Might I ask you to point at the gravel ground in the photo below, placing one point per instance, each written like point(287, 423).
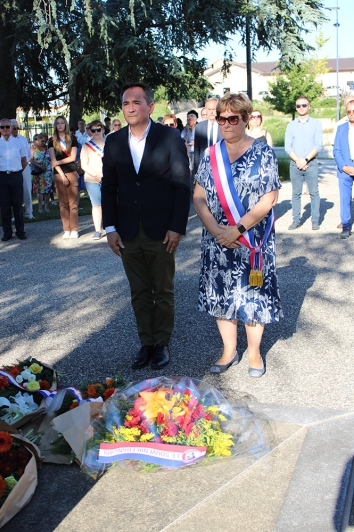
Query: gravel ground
point(67, 303)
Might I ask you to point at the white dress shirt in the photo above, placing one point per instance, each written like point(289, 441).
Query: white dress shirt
point(11, 153)
point(351, 141)
point(137, 147)
point(82, 137)
point(213, 125)
point(25, 143)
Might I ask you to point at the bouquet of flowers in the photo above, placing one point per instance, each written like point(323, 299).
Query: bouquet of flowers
point(31, 375)
point(105, 390)
point(166, 422)
point(16, 407)
point(18, 473)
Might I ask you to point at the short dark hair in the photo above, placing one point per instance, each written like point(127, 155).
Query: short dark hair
point(108, 118)
point(193, 112)
point(303, 98)
point(148, 92)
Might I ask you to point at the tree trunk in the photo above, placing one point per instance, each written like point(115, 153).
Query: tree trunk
point(249, 59)
point(8, 88)
point(77, 90)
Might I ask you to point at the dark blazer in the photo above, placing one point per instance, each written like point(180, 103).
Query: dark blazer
point(201, 141)
point(341, 149)
point(159, 194)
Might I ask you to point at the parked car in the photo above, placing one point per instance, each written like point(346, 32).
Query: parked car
point(331, 92)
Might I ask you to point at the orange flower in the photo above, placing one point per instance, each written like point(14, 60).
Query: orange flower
point(2, 487)
point(108, 393)
point(109, 381)
point(91, 391)
point(44, 385)
point(5, 441)
point(4, 382)
point(15, 370)
point(74, 404)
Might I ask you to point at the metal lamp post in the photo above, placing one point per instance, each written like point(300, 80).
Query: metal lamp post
point(336, 25)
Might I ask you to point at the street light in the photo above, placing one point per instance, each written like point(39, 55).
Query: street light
point(336, 25)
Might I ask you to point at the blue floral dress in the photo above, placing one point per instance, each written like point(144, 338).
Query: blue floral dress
point(224, 277)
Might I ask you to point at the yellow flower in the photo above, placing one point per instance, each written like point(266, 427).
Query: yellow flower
point(32, 386)
point(156, 402)
point(147, 437)
point(222, 418)
point(35, 368)
point(213, 409)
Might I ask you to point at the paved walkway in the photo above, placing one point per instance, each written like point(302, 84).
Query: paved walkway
point(67, 303)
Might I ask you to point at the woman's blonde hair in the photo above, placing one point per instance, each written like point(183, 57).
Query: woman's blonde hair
point(56, 138)
point(237, 103)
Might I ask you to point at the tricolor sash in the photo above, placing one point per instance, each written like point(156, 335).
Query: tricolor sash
point(94, 147)
point(63, 147)
point(234, 210)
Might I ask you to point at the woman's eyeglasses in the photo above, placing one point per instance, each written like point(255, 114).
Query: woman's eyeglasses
point(232, 120)
point(94, 129)
point(170, 124)
point(5, 127)
point(298, 105)
point(256, 116)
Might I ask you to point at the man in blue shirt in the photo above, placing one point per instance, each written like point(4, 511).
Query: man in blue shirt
point(303, 142)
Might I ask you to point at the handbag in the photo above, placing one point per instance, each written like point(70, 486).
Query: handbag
point(36, 171)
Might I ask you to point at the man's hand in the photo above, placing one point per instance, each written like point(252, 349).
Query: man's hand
point(301, 164)
point(349, 170)
point(115, 242)
point(172, 240)
point(228, 236)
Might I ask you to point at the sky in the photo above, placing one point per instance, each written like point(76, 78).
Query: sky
point(345, 19)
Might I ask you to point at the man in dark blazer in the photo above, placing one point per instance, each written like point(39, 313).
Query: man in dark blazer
point(145, 207)
point(344, 155)
point(207, 132)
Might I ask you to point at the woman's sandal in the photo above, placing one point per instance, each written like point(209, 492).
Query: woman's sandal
point(221, 368)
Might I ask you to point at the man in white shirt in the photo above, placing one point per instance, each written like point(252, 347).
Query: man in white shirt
point(13, 160)
point(81, 134)
point(27, 176)
point(206, 133)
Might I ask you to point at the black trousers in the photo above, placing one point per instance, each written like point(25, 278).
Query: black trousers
point(11, 195)
point(150, 271)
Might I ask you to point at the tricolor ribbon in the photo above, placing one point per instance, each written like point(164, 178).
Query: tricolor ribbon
point(234, 210)
point(63, 147)
point(99, 151)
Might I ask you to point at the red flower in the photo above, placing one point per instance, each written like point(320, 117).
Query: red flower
point(209, 417)
point(139, 402)
point(189, 428)
point(171, 429)
point(108, 393)
point(187, 392)
point(5, 442)
point(132, 422)
point(160, 418)
point(73, 405)
point(44, 385)
point(91, 391)
point(4, 382)
point(15, 370)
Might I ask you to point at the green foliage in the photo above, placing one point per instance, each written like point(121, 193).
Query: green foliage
point(284, 169)
point(276, 127)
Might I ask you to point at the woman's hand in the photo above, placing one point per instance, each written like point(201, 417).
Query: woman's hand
point(66, 181)
point(228, 236)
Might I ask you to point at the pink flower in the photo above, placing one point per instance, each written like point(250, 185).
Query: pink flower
point(189, 428)
point(192, 403)
point(160, 418)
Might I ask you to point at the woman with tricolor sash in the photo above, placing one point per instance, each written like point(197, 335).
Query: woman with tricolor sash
point(91, 163)
point(63, 150)
point(237, 187)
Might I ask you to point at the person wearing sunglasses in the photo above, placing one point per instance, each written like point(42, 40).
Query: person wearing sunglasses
point(170, 120)
point(116, 125)
point(256, 130)
point(13, 160)
point(91, 163)
point(237, 187)
point(63, 151)
point(344, 156)
point(303, 142)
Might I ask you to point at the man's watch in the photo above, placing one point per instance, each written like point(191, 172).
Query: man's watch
point(307, 161)
point(241, 228)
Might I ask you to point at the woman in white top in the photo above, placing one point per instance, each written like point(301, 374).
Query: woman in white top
point(256, 130)
point(91, 163)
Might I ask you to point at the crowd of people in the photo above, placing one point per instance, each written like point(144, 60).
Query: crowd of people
point(140, 180)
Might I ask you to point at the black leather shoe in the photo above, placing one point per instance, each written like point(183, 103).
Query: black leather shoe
point(142, 359)
point(21, 236)
point(5, 238)
point(345, 233)
point(161, 356)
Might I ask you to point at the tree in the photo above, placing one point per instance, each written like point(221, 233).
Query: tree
point(299, 80)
